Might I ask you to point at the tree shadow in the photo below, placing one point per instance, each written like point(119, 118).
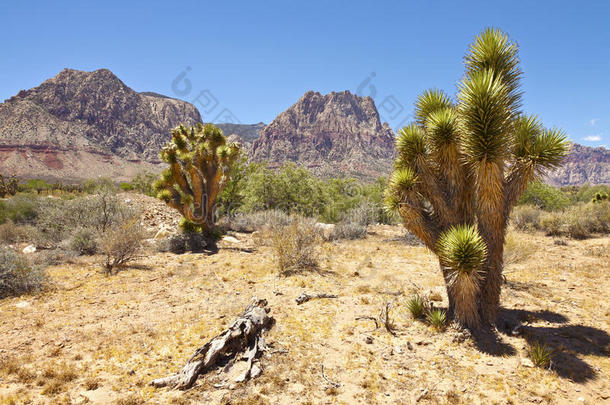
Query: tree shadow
point(567, 341)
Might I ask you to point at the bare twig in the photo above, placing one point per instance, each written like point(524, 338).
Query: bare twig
point(331, 383)
point(384, 317)
point(370, 318)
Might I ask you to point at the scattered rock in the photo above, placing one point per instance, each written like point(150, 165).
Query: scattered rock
point(22, 304)
point(29, 249)
point(231, 239)
point(368, 340)
point(525, 362)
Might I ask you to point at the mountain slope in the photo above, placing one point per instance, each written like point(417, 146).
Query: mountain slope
point(332, 134)
point(584, 164)
point(84, 124)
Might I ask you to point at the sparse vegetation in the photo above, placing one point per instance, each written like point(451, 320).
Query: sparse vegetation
point(84, 242)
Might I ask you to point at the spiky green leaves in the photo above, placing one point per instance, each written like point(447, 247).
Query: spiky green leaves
point(411, 145)
point(486, 111)
point(541, 148)
point(462, 249)
point(430, 101)
point(493, 51)
point(402, 182)
point(442, 128)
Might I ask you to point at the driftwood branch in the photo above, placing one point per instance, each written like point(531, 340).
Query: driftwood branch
point(243, 339)
point(306, 297)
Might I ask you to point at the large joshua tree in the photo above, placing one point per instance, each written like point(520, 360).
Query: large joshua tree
point(200, 159)
point(462, 165)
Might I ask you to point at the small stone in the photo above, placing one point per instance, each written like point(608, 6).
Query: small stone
point(231, 239)
point(368, 340)
point(232, 386)
point(22, 304)
point(29, 249)
point(256, 371)
point(409, 346)
point(397, 350)
point(581, 399)
point(525, 362)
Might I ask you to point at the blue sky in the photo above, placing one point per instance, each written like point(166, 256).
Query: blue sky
point(249, 61)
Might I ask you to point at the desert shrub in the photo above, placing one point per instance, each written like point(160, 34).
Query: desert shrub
point(126, 186)
point(58, 219)
point(12, 233)
point(143, 183)
point(544, 196)
point(295, 246)
point(84, 241)
point(21, 209)
point(121, 244)
point(17, 275)
point(348, 230)
point(579, 221)
point(255, 221)
point(517, 248)
point(526, 217)
point(96, 186)
point(552, 223)
point(587, 192)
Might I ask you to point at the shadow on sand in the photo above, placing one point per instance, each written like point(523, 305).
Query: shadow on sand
point(567, 341)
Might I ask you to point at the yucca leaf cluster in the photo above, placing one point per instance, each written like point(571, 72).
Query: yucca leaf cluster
point(200, 160)
point(461, 167)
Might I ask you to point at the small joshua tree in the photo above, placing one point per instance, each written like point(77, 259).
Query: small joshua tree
point(199, 160)
point(8, 186)
point(461, 168)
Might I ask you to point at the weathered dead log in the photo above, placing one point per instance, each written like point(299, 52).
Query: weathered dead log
point(242, 339)
point(306, 297)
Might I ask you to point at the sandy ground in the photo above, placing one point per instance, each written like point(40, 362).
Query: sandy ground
point(101, 339)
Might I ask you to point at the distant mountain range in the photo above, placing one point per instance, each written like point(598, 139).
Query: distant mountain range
point(80, 125)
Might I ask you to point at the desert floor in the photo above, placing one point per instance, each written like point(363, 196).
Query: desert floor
point(101, 339)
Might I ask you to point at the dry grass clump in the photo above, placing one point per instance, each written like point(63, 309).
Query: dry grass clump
point(349, 231)
point(121, 244)
point(12, 233)
point(579, 221)
point(18, 275)
point(295, 246)
point(517, 248)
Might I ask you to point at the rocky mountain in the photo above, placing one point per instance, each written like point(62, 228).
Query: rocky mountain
point(584, 164)
point(332, 134)
point(246, 132)
point(84, 124)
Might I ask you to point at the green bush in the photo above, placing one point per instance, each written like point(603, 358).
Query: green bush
point(126, 186)
point(544, 196)
point(579, 221)
point(17, 275)
point(143, 183)
point(552, 223)
point(21, 209)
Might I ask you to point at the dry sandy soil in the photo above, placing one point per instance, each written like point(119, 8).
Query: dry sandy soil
point(101, 339)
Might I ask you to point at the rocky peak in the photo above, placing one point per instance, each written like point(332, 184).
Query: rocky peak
point(331, 134)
